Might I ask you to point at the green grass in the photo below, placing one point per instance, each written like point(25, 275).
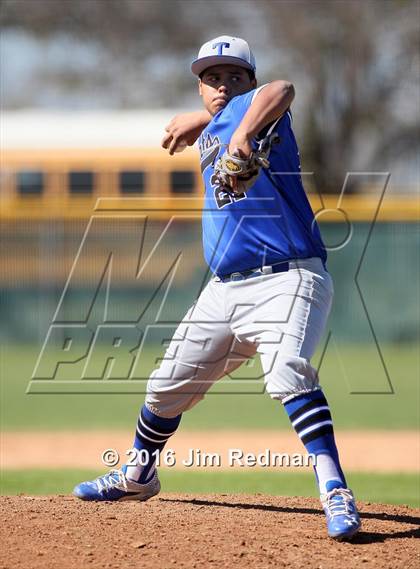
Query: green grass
point(345, 369)
point(384, 488)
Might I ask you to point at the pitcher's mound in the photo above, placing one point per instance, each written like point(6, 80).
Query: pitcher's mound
point(179, 530)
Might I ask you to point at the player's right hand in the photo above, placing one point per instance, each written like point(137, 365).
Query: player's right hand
point(183, 130)
point(173, 143)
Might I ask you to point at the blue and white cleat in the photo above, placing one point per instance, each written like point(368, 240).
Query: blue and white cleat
point(343, 520)
point(115, 487)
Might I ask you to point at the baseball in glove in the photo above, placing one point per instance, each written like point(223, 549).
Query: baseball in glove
point(236, 174)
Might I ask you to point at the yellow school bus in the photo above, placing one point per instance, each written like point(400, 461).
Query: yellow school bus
point(63, 165)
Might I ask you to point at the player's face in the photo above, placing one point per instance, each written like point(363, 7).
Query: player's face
point(219, 84)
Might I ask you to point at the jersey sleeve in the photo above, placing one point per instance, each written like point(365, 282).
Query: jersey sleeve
point(258, 90)
point(240, 104)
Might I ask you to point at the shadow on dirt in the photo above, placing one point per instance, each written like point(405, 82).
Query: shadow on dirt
point(362, 538)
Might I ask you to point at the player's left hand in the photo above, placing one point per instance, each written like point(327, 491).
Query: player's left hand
point(238, 168)
point(240, 145)
point(236, 174)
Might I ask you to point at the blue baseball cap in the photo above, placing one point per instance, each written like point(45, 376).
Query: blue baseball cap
point(224, 50)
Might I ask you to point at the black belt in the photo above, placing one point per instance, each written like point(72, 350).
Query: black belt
point(282, 267)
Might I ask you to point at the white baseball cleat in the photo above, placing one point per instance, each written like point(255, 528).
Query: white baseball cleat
point(115, 487)
point(343, 520)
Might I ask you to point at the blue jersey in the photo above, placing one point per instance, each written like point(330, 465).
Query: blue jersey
point(273, 221)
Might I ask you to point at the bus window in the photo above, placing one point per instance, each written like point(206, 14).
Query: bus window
point(182, 182)
point(131, 182)
point(81, 182)
point(30, 182)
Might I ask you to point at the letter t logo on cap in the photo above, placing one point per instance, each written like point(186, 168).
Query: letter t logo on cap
point(220, 45)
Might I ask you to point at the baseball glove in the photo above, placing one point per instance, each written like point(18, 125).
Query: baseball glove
point(235, 174)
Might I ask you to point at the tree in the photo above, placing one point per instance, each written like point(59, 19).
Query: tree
point(355, 64)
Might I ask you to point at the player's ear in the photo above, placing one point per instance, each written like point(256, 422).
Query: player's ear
point(199, 86)
point(254, 83)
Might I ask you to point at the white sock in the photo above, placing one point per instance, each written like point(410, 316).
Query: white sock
point(133, 472)
point(326, 471)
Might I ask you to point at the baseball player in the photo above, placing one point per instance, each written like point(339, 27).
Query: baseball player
point(270, 292)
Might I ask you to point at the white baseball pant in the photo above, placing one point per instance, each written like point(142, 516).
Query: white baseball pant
point(280, 316)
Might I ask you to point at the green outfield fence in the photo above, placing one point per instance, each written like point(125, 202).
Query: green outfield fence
point(375, 271)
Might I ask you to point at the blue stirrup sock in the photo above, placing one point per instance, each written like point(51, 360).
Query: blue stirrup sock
point(310, 416)
point(152, 434)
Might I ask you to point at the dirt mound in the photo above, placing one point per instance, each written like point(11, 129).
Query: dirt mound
point(175, 530)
